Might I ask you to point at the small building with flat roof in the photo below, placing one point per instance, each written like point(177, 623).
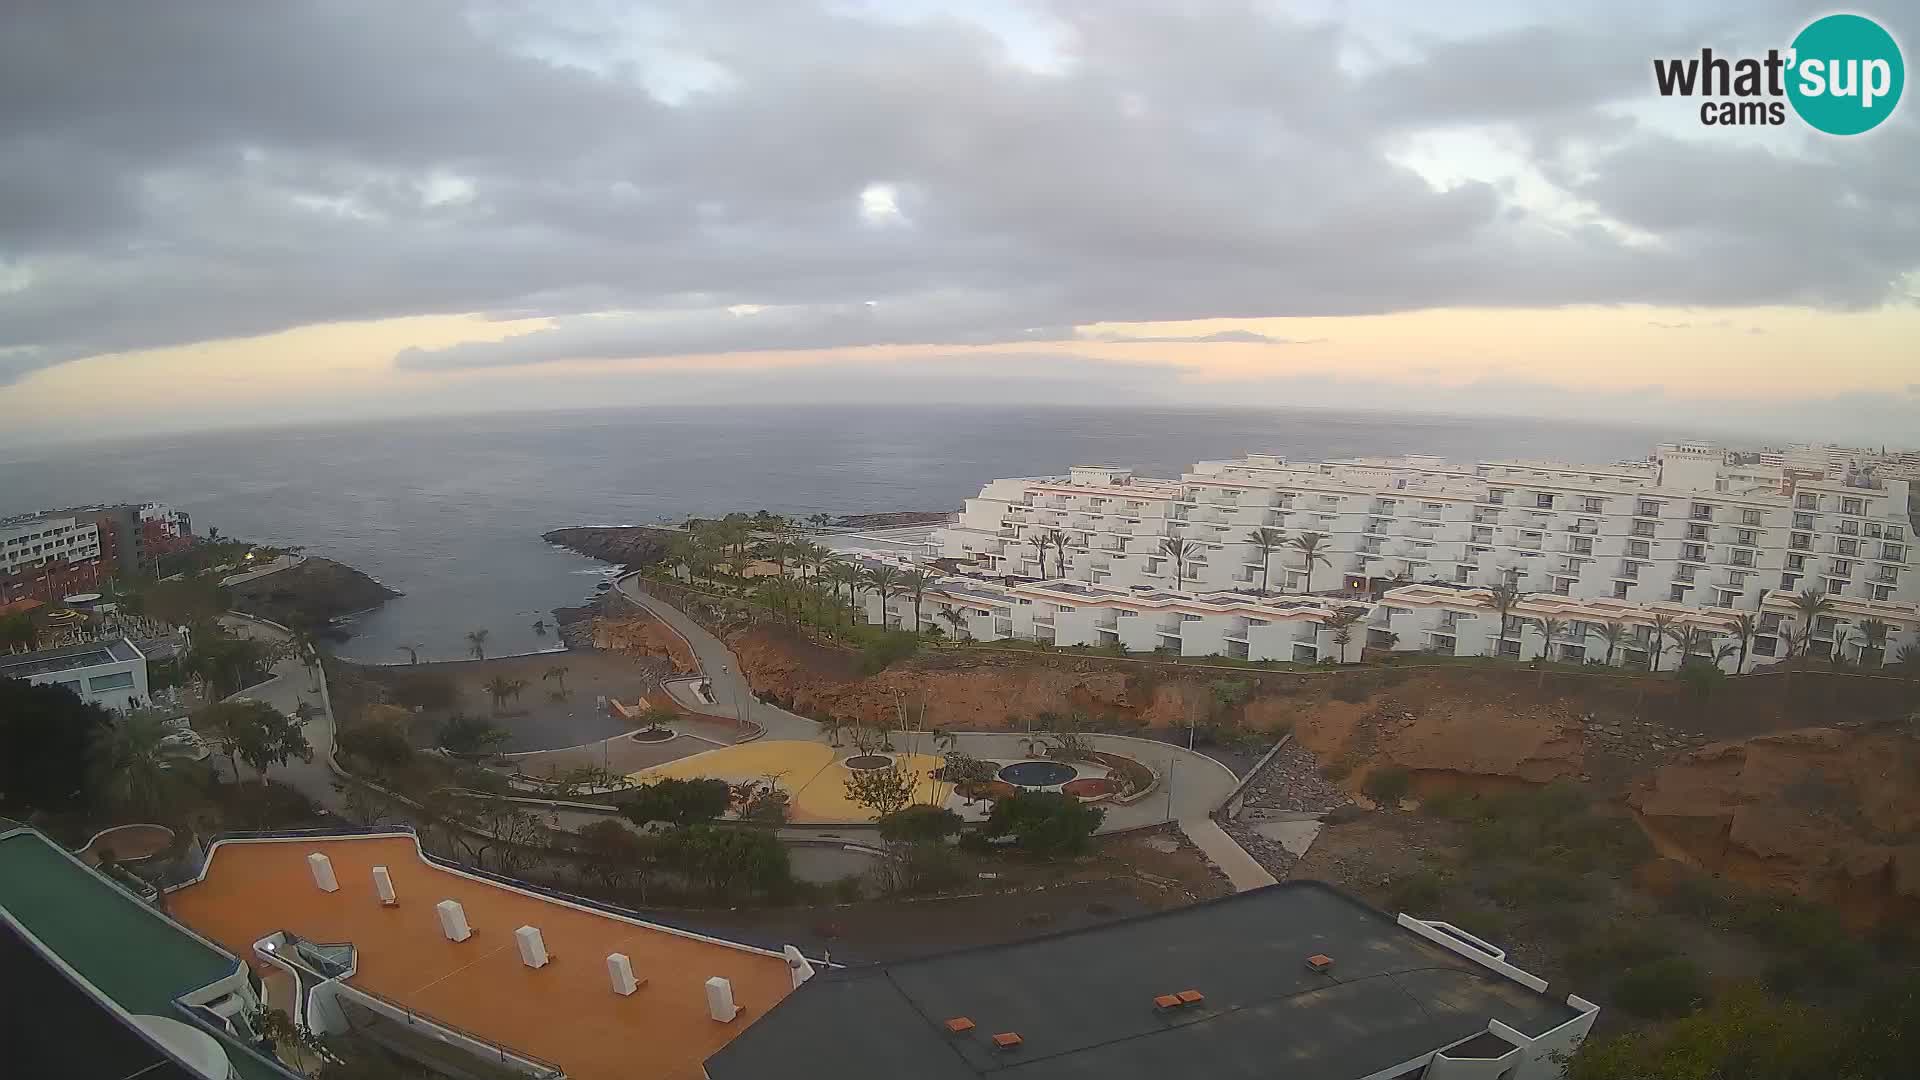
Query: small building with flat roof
point(1293, 980)
point(394, 961)
point(102, 984)
point(103, 673)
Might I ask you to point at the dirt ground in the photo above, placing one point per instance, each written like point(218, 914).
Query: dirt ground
point(537, 720)
point(1126, 875)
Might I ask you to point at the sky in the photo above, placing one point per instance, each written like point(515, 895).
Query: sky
point(228, 214)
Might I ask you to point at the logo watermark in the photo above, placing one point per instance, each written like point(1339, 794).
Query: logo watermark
point(1842, 75)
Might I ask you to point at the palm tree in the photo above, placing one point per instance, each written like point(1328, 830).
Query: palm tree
point(1549, 628)
point(1809, 606)
point(1179, 551)
point(1663, 625)
point(477, 644)
point(1342, 623)
point(412, 651)
point(1873, 641)
point(1308, 544)
point(1059, 541)
point(1907, 659)
point(883, 580)
point(540, 627)
point(558, 673)
point(1268, 540)
point(915, 582)
point(499, 688)
point(957, 621)
point(514, 686)
point(1505, 597)
point(1613, 632)
point(1039, 541)
point(1745, 626)
point(1689, 641)
point(848, 575)
point(129, 761)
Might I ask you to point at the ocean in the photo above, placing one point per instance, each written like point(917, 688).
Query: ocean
point(450, 510)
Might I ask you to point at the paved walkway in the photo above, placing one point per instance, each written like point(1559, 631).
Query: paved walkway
point(1221, 850)
point(291, 685)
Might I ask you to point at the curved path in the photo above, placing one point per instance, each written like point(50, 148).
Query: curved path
point(1192, 785)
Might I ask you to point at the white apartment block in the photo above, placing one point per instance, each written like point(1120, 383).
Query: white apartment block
point(1684, 535)
point(29, 542)
point(110, 674)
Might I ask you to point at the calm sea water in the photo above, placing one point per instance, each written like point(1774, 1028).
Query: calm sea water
point(450, 511)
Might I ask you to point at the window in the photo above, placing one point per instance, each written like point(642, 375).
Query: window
point(1702, 512)
point(1543, 500)
point(1851, 528)
point(1789, 581)
point(1683, 573)
point(1895, 532)
point(1883, 592)
point(1619, 590)
point(1727, 599)
point(1803, 521)
point(1593, 506)
point(1842, 568)
point(1749, 517)
point(1846, 547)
point(1647, 508)
point(1824, 625)
point(119, 680)
point(1693, 552)
point(1678, 594)
point(1800, 541)
point(1743, 558)
point(1853, 506)
point(1643, 528)
point(1696, 532)
point(1746, 537)
point(1807, 502)
point(1893, 552)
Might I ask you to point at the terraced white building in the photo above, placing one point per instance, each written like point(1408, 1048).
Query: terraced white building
point(1685, 536)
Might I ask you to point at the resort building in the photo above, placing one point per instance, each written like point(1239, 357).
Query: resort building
point(1295, 979)
point(103, 984)
point(110, 674)
point(47, 556)
point(1684, 536)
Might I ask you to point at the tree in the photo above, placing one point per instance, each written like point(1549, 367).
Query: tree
point(477, 644)
point(1308, 544)
point(847, 575)
point(1180, 551)
point(1268, 540)
point(270, 737)
point(129, 762)
point(469, 736)
point(729, 860)
point(231, 725)
point(915, 582)
point(1059, 539)
point(1039, 541)
point(46, 736)
point(965, 772)
point(1043, 822)
point(883, 791)
point(226, 662)
point(558, 673)
point(617, 853)
point(376, 744)
point(954, 618)
point(884, 580)
point(1745, 626)
point(1342, 623)
point(499, 688)
point(1663, 625)
point(677, 802)
point(1810, 606)
point(412, 651)
point(919, 824)
point(1549, 628)
point(1745, 1035)
point(1613, 632)
point(17, 632)
point(1505, 597)
point(1873, 641)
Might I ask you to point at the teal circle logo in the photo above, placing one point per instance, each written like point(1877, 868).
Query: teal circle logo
point(1846, 74)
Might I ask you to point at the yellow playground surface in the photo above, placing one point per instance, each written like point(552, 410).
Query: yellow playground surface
point(809, 772)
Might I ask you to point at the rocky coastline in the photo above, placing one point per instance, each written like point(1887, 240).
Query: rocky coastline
point(310, 595)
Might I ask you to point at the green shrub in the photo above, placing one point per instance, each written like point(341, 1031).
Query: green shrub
point(1043, 822)
point(1612, 948)
point(887, 649)
point(1662, 989)
point(919, 824)
point(1452, 805)
point(677, 802)
point(376, 744)
point(1388, 786)
point(1419, 892)
point(1537, 887)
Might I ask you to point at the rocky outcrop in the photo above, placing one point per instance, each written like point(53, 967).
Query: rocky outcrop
point(897, 519)
point(640, 634)
point(1828, 813)
point(631, 546)
point(309, 595)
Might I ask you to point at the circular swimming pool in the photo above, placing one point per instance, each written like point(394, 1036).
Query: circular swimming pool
point(867, 762)
point(1037, 773)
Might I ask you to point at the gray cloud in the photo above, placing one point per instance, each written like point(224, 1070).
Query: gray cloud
point(174, 173)
point(1247, 337)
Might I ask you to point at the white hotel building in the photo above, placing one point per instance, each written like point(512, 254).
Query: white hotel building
point(1685, 536)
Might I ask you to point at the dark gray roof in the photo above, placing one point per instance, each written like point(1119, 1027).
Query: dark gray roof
point(66, 658)
point(1082, 1001)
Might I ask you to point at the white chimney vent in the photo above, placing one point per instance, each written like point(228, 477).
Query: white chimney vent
point(383, 884)
point(453, 920)
point(620, 973)
point(720, 1004)
point(798, 966)
point(533, 949)
point(322, 869)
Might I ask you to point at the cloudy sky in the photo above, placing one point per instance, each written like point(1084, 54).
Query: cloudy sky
point(238, 213)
